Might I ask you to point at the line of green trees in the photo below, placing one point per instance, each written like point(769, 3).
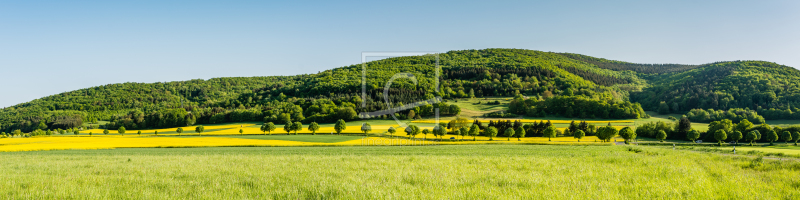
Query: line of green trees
point(576, 106)
point(719, 131)
point(734, 114)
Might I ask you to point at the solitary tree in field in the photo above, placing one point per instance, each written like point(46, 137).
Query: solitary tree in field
point(412, 130)
point(473, 131)
point(463, 132)
point(787, 136)
point(105, 132)
point(139, 133)
point(628, 134)
point(752, 136)
point(180, 130)
point(288, 127)
point(366, 128)
point(155, 133)
point(313, 127)
point(297, 126)
point(425, 133)
point(121, 130)
point(90, 134)
point(720, 135)
point(241, 131)
point(772, 136)
point(579, 134)
point(520, 133)
point(796, 137)
point(340, 126)
point(199, 129)
point(550, 132)
point(76, 132)
point(263, 128)
point(508, 133)
point(736, 136)
point(606, 133)
point(392, 131)
point(661, 136)
point(268, 127)
point(439, 130)
point(491, 132)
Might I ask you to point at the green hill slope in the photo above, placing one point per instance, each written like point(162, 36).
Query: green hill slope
point(771, 89)
point(561, 84)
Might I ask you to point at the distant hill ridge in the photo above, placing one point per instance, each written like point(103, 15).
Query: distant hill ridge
point(757, 85)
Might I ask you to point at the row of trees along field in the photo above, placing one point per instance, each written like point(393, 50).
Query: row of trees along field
point(576, 106)
point(734, 114)
point(719, 131)
point(537, 129)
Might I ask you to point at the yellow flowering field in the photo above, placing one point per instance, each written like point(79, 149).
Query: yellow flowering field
point(112, 142)
point(226, 136)
point(233, 130)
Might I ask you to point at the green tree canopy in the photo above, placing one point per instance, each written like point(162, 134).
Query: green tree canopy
point(313, 127)
point(662, 135)
point(720, 135)
point(509, 133)
point(736, 136)
point(491, 132)
point(550, 132)
point(579, 134)
point(340, 126)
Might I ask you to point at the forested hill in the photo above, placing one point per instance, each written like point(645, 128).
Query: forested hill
point(570, 85)
point(771, 89)
point(626, 66)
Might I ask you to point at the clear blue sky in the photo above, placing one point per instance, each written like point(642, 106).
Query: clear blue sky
point(48, 47)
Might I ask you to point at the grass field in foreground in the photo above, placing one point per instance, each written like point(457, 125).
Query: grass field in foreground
point(781, 148)
point(421, 172)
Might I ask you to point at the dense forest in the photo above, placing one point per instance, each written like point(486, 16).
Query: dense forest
point(557, 84)
point(771, 90)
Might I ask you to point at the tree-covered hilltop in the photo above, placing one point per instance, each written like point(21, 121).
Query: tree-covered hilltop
point(551, 84)
point(771, 89)
point(626, 66)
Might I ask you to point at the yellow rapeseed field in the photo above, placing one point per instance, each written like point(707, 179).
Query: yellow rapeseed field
point(111, 142)
point(211, 138)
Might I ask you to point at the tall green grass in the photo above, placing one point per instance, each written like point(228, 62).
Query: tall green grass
point(409, 172)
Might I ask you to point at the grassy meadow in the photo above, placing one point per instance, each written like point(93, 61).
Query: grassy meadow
point(379, 165)
point(386, 172)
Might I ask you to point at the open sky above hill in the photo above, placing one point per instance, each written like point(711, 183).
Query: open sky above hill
point(48, 47)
